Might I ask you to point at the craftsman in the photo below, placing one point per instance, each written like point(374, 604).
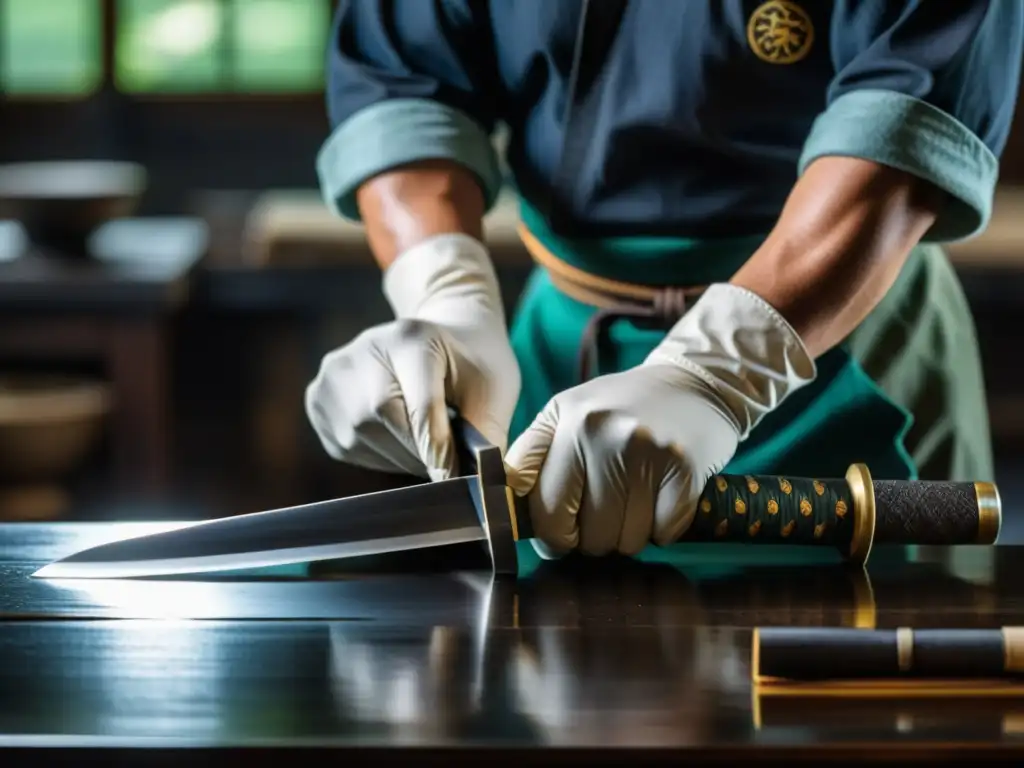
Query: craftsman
point(735, 208)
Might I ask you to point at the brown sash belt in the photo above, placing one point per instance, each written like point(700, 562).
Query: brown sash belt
point(644, 305)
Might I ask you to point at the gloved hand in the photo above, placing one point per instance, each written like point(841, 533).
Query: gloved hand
point(621, 460)
point(380, 401)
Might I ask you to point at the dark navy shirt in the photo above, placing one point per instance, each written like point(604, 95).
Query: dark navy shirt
point(701, 113)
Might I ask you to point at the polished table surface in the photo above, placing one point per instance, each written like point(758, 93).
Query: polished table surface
point(401, 652)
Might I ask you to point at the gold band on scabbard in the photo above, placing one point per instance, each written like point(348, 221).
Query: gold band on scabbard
point(990, 512)
point(1013, 649)
point(862, 491)
point(905, 649)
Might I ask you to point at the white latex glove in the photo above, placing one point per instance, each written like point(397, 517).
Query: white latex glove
point(621, 460)
point(380, 401)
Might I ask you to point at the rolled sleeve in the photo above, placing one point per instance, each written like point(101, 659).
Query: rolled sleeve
point(408, 80)
point(903, 132)
point(396, 132)
point(930, 91)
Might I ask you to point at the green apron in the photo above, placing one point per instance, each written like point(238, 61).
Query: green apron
point(903, 394)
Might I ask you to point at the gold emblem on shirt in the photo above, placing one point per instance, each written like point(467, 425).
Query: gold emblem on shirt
point(780, 32)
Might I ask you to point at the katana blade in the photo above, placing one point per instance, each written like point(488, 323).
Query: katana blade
point(427, 515)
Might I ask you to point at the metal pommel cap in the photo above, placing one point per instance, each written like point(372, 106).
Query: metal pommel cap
point(990, 512)
point(939, 513)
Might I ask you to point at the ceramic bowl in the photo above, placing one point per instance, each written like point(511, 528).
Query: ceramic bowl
point(60, 203)
point(48, 425)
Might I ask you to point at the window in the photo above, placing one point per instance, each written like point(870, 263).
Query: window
point(56, 47)
point(50, 47)
point(169, 45)
point(206, 94)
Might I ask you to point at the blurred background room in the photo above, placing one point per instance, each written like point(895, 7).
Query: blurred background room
point(170, 279)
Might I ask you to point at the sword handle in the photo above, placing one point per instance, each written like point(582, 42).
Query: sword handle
point(850, 514)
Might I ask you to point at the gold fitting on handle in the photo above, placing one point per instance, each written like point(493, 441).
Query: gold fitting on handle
point(513, 518)
point(862, 491)
point(990, 512)
point(905, 649)
point(1013, 649)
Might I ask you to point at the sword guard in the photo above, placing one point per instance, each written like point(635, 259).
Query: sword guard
point(506, 516)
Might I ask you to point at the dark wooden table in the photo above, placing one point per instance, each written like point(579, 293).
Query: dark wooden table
point(586, 657)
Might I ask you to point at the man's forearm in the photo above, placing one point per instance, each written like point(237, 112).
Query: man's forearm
point(843, 236)
point(404, 207)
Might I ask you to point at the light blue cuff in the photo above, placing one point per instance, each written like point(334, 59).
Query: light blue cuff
point(903, 132)
point(399, 131)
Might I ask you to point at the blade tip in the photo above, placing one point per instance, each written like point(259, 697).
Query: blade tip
point(51, 571)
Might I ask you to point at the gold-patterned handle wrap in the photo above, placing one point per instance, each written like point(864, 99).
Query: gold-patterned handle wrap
point(851, 513)
point(768, 509)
